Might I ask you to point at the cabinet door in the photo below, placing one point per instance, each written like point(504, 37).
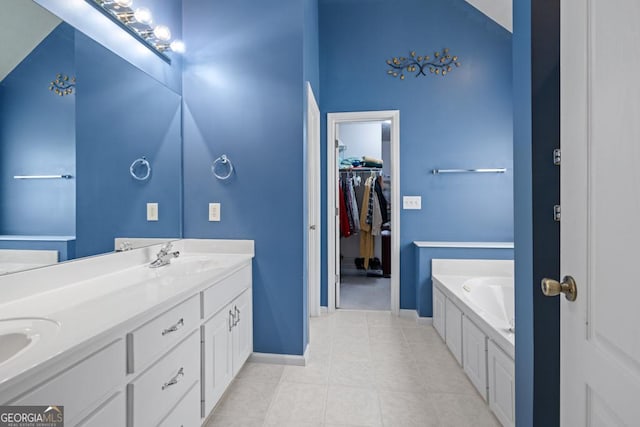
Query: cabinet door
point(474, 351)
point(502, 385)
point(243, 330)
point(453, 330)
point(438, 311)
point(217, 369)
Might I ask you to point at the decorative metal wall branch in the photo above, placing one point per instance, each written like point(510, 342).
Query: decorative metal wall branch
point(63, 85)
point(441, 64)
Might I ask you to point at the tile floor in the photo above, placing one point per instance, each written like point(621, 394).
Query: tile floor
point(359, 292)
point(366, 368)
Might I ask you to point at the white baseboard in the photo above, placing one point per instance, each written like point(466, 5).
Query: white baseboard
point(413, 315)
point(280, 359)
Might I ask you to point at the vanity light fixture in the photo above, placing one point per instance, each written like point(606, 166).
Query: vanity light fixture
point(139, 23)
point(441, 64)
point(62, 85)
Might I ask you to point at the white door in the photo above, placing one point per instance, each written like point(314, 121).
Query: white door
point(600, 198)
point(336, 184)
point(313, 203)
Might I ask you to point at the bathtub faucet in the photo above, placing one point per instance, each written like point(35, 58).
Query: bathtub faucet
point(164, 256)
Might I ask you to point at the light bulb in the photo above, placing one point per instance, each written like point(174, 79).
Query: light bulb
point(143, 15)
point(177, 46)
point(124, 3)
point(162, 32)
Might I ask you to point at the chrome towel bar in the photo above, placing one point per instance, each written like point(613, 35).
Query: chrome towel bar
point(439, 171)
point(66, 176)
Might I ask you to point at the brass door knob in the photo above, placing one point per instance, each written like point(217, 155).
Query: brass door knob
point(568, 287)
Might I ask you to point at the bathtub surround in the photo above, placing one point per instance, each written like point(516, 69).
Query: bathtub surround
point(473, 313)
point(426, 251)
point(469, 114)
point(65, 246)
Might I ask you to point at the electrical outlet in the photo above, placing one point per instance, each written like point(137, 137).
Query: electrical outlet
point(152, 211)
point(412, 202)
point(214, 211)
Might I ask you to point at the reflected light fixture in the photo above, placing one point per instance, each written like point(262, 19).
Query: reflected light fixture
point(138, 22)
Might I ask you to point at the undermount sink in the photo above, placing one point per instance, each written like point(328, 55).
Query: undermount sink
point(19, 334)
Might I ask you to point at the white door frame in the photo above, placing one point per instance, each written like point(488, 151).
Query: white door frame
point(313, 203)
point(333, 119)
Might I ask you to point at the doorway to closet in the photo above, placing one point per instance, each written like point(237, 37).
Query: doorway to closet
point(363, 175)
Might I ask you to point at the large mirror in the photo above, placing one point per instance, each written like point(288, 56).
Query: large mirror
point(74, 118)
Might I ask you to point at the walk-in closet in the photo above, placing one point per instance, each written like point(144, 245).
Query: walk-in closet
point(364, 188)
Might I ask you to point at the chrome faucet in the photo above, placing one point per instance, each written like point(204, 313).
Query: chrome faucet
point(164, 256)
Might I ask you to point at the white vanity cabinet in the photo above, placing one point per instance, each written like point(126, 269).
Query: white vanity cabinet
point(474, 352)
point(453, 329)
point(227, 337)
point(155, 352)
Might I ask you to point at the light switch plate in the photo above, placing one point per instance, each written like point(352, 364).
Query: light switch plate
point(412, 202)
point(214, 211)
point(152, 211)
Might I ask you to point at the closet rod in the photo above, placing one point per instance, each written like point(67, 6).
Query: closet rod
point(439, 171)
point(361, 170)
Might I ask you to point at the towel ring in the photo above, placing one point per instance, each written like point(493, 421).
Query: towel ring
point(222, 160)
point(140, 169)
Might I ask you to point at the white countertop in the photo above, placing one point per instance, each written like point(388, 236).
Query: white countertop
point(90, 298)
point(476, 245)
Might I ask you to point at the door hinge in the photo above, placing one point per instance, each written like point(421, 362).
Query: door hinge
point(557, 157)
point(556, 213)
point(337, 144)
point(337, 278)
point(337, 211)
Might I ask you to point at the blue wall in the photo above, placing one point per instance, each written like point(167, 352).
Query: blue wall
point(37, 137)
point(463, 120)
point(144, 119)
point(423, 257)
point(243, 96)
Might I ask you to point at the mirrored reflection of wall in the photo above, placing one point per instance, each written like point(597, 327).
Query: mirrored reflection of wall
point(116, 114)
point(123, 114)
point(37, 137)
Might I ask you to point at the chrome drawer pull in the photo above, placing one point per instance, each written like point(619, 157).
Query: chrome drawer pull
point(173, 328)
point(237, 315)
point(174, 380)
point(232, 320)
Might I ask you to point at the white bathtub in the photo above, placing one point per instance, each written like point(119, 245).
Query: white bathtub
point(483, 290)
point(492, 298)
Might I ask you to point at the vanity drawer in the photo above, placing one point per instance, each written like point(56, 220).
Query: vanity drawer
point(187, 413)
point(156, 336)
point(222, 293)
point(83, 385)
point(157, 390)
